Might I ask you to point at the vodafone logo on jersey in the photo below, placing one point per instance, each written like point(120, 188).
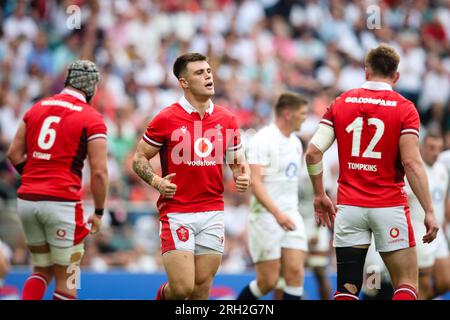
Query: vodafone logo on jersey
point(61, 233)
point(394, 233)
point(183, 234)
point(203, 147)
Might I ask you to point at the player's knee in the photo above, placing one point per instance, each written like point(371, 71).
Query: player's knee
point(350, 264)
point(181, 290)
point(267, 284)
point(293, 274)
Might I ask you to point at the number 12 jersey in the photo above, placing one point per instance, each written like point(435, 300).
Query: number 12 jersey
point(368, 123)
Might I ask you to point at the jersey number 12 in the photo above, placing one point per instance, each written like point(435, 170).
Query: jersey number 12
point(356, 126)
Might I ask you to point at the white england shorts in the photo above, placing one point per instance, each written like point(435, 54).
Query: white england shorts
point(391, 227)
point(60, 224)
point(267, 237)
point(197, 232)
point(427, 253)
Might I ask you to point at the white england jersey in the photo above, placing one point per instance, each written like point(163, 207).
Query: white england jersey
point(438, 180)
point(281, 157)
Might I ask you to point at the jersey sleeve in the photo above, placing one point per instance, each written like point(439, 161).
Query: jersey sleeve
point(328, 117)
point(97, 127)
point(410, 121)
point(258, 151)
point(234, 141)
point(156, 131)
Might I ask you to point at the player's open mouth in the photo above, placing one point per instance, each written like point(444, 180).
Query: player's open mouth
point(209, 85)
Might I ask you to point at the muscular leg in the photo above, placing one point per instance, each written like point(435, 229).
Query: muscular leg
point(180, 269)
point(206, 266)
point(403, 269)
point(441, 274)
point(293, 262)
point(267, 274)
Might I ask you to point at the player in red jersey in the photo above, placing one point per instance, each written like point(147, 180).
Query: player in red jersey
point(193, 137)
point(377, 133)
point(50, 146)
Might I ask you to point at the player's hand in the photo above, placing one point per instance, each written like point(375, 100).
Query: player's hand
point(431, 227)
point(242, 179)
point(324, 211)
point(166, 187)
point(285, 222)
point(96, 222)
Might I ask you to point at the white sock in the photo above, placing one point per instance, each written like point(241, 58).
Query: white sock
point(294, 291)
point(255, 290)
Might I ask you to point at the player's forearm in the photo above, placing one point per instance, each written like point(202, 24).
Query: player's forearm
point(417, 178)
point(143, 168)
point(260, 193)
point(99, 187)
point(314, 157)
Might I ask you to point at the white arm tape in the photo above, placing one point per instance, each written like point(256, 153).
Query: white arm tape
point(315, 169)
point(323, 138)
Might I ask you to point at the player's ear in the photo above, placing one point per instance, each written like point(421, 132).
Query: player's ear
point(397, 76)
point(366, 71)
point(184, 83)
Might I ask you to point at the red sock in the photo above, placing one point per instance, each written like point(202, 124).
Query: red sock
point(34, 288)
point(58, 295)
point(405, 292)
point(344, 296)
point(160, 293)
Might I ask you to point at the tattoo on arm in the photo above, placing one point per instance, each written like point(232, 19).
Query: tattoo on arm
point(143, 169)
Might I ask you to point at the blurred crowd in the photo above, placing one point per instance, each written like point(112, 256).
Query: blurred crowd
point(257, 49)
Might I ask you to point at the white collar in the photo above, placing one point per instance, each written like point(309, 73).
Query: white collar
point(189, 108)
point(377, 85)
point(74, 93)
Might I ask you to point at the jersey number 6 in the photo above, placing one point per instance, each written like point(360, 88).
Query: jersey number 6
point(47, 135)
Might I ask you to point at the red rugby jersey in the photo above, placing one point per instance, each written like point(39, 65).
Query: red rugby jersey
point(194, 149)
point(368, 123)
point(58, 130)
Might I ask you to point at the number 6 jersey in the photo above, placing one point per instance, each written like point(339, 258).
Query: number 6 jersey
point(58, 130)
point(368, 123)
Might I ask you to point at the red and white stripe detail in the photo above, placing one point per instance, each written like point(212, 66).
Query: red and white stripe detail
point(60, 296)
point(39, 277)
point(97, 136)
point(152, 142)
point(234, 148)
point(346, 295)
point(327, 122)
point(407, 289)
point(411, 239)
point(410, 131)
point(167, 241)
point(81, 230)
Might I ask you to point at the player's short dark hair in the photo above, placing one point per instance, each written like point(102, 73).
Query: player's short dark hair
point(289, 100)
point(382, 61)
point(180, 64)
